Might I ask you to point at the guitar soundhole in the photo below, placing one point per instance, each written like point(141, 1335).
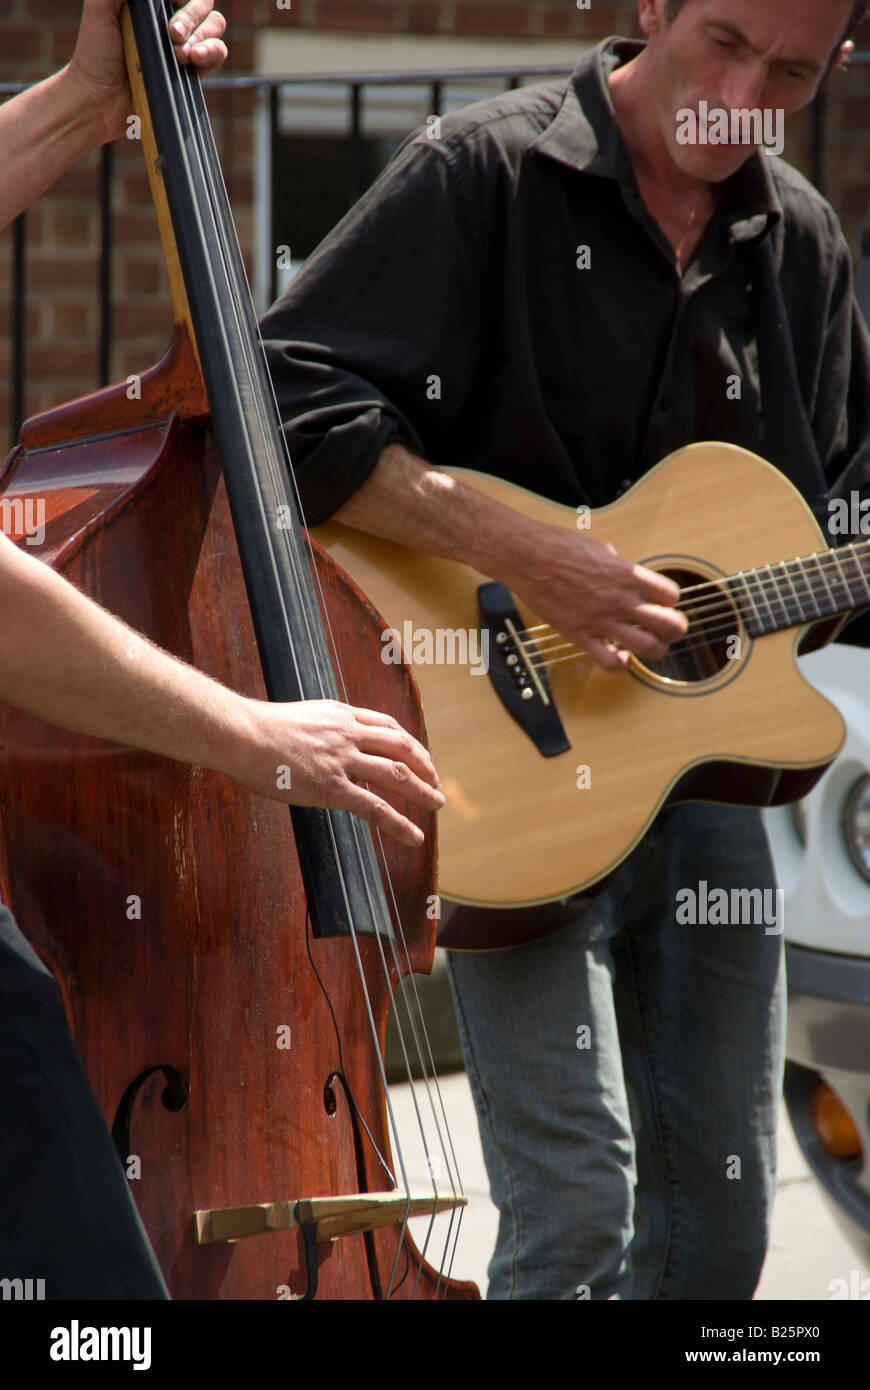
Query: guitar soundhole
point(713, 640)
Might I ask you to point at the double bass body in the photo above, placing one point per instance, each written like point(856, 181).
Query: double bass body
point(229, 1046)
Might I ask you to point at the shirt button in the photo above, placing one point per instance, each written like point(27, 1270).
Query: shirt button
point(666, 403)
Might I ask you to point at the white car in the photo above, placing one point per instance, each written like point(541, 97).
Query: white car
point(821, 849)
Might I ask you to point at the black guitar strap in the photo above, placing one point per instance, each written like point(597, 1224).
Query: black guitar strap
point(789, 443)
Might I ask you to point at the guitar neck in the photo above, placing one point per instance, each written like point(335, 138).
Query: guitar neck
point(800, 591)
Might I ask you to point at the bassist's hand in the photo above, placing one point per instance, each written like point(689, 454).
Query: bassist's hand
point(327, 751)
point(98, 67)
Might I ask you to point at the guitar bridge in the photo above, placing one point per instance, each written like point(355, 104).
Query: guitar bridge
point(517, 674)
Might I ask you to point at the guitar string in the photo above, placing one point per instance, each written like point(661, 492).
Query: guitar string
point(693, 640)
point(723, 604)
point(214, 200)
point(356, 828)
point(762, 585)
point(403, 972)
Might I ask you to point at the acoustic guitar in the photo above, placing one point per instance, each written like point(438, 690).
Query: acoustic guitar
point(553, 768)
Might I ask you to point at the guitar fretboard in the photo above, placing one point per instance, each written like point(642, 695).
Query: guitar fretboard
point(803, 590)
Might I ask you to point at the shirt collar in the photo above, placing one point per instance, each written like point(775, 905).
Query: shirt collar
point(584, 136)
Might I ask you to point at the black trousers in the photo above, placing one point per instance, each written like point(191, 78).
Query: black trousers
point(66, 1213)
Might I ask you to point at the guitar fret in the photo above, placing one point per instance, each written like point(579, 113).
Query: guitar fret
point(796, 614)
point(816, 559)
point(810, 592)
point(847, 601)
point(807, 613)
point(767, 624)
point(751, 618)
point(852, 555)
point(774, 591)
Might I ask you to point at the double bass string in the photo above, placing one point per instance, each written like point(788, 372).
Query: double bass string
point(260, 412)
point(218, 206)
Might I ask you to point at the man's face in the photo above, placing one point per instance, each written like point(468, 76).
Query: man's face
point(766, 55)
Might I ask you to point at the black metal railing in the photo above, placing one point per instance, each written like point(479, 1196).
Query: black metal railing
point(356, 85)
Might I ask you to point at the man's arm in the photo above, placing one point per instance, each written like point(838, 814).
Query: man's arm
point(415, 300)
point(596, 599)
point(48, 127)
point(67, 660)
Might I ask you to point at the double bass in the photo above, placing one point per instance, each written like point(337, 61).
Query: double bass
point(226, 966)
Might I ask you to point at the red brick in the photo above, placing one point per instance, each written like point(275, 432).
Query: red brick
point(239, 12)
point(81, 181)
point(479, 17)
point(72, 319)
point(60, 271)
point(556, 21)
point(424, 17)
point(136, 228)
point(143, 274)
point(299, 17)
point(134, 186)
point(21, 41)
point(136, 358)
point(133, 318)
point(241, 53)
point(53, 9)
point(240, 186)
point(62, 362)
point(356, 14)
point(75, 227)
point(63, 41)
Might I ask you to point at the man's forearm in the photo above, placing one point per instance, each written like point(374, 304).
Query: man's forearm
point(42, 132)
point(406, 500)
point(67, 660)
point(604, 604)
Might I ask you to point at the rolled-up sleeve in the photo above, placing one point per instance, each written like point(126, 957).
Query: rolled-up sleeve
point(377, 338)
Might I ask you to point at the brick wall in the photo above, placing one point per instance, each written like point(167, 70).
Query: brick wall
point(37, 36)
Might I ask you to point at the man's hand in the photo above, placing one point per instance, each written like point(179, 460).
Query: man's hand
point(600, 602)
point(68, 661)
point(330, 749)
point(597, 600)
point(98, 62)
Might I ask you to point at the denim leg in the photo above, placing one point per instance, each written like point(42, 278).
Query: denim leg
point(552, 1110)
point(701, 1011)
point(66, 1213)
point(684, 1061)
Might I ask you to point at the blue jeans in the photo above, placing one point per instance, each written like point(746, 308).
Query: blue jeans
point(634, 1160)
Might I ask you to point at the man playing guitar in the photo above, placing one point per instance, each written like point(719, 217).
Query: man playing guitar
point(557, 287)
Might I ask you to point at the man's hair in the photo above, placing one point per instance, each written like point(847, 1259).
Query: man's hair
point(859, 12)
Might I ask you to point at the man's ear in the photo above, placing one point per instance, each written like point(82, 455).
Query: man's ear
point(651, 15)
point(845, 53)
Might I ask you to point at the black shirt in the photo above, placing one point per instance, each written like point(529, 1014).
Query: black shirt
point(452, 309)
